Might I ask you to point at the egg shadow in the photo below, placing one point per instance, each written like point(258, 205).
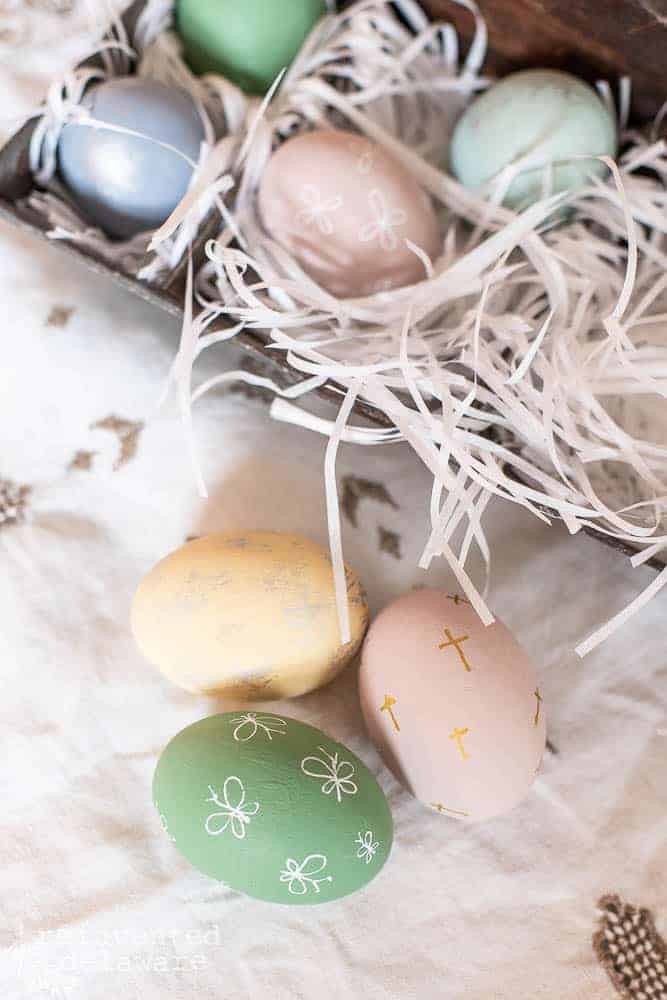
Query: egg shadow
point(335, 706)
point(280, 487)
point(266, 493)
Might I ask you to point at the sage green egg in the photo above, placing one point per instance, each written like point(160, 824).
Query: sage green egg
point(546, 112)
point(247, 41)
point(273, 807)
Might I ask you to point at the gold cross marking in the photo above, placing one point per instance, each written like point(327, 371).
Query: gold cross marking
point(457, 599)
point(539, 705)
point(456, 643)
point(389, 702)
point(438, 806)
point(458, 734)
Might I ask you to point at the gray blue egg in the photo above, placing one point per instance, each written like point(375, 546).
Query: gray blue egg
point(543, 112)
point(128, 184)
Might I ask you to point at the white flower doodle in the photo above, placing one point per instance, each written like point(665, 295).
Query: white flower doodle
point(237, 817)
point(365, 162)
point(300, 877)
point(254, 722)
point(367, 846)
point(165, 827)
point(317, 210)
point(385, 220)
point(338, 774)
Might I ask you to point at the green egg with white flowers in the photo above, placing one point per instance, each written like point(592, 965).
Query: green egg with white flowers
point(273, 807)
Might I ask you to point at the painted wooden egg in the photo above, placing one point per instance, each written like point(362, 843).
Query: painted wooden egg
point(453, 707)
point(251, 616)
point(249, 43)
point(344, 208)
point(273, 807)
point(547, 113)
point(127, 184)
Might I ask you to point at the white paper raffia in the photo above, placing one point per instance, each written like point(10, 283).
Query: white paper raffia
point(153, 21)
point(152, 52)
point(511, 369)
point(398, 73)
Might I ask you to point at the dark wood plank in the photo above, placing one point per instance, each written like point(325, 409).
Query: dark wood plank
point(592, 38)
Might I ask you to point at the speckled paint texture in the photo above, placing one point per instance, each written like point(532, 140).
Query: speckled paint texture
point(250, 615)
point(543, 113)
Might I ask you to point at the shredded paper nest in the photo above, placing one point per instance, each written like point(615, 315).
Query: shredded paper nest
point(529, 363)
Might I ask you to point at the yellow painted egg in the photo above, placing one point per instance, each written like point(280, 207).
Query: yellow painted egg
point(454, 707)
point(251, 616)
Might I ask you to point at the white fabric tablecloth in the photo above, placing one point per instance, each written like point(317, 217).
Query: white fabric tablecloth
point(95, 901)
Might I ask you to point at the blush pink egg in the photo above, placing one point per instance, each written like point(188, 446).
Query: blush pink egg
point(344, 209)
point(453, 706)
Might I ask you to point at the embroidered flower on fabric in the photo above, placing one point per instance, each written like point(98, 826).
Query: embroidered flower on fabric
point(367, 846)
point(630, 949)
point(317, 211)
point(385, 220)
point(13, 501)
point(248, 725)
point(233, 814)
point(300, 877)
point(337, 774)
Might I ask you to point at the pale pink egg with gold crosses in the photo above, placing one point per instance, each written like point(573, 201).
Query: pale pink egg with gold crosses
point(453, 706)
point(347, 212)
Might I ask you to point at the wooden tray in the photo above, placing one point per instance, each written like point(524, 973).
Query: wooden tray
point(592, 38)
point(595, 39)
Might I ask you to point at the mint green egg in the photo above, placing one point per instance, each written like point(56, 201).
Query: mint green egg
point(273, 807)
point(540, 111)
point(247, 41)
